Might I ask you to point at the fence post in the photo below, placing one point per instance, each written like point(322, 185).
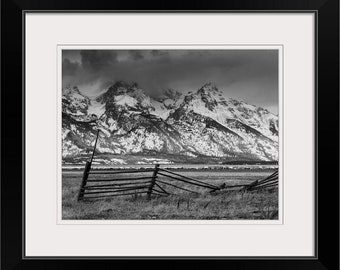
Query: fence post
point(153, 181)
point(95, 144)
point(83, 181)
point(86, 171)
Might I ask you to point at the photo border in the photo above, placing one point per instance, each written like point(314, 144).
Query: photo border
point(315, 12)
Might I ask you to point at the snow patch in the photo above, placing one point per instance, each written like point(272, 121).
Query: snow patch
point(125, 100)
point(96, 108)
point(154, 161)
point(117, 161)
point(159, 110)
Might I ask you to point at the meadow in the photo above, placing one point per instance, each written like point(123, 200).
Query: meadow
point(201, 204)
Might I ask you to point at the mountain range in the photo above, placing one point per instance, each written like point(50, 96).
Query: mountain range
point(199, 126)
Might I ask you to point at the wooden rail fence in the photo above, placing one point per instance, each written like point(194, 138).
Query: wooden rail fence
point(155, 182)
point(103, 186)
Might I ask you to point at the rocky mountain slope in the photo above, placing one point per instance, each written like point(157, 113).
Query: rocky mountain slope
point(199, 125)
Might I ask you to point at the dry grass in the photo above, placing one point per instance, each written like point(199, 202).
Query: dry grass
point(182, 206)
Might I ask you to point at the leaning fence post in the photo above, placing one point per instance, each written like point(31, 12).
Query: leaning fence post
point(83, 181)
point(153, 181)
point(95, 144)
point(86, 171)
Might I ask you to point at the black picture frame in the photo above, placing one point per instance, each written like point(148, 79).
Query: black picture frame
point(326, 132)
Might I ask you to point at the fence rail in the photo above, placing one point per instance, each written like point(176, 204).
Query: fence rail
point(117, 185)
point(119, 179)
point(122, 171)
point(189, 182)
point(190, 179)
point(270, 181)
point(113, 195)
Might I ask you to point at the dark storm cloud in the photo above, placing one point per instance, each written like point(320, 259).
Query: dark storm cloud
point(251, 75)
point(136, 55)
point(70, 68)
point(98, 60)
point(158, 53)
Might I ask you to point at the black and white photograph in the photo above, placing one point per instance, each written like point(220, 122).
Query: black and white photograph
point(170, 134)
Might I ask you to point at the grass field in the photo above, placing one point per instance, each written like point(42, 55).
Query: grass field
point(224, 204)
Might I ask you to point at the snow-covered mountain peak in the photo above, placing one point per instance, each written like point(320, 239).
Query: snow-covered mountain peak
point(123, 94)
point(68, 91)
point(169, 94)
point(208, 88)
point(170, 98)
point(118, 88)
point(208, 96)
point(73, 102)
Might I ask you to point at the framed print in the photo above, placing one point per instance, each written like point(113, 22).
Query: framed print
point(171, 134)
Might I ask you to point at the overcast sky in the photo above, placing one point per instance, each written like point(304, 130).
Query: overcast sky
point(248, 75)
